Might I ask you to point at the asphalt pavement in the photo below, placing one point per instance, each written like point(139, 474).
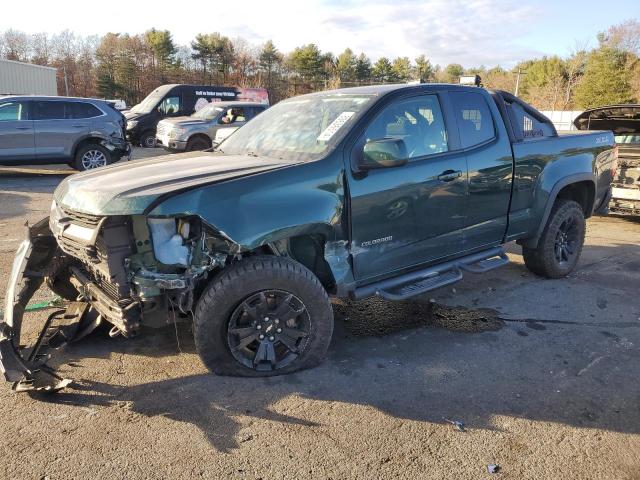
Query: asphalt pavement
point(542, 374)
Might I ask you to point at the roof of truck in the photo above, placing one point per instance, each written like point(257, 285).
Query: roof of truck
point(382, 89)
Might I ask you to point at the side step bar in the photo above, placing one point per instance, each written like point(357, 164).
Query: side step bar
point(421, 281)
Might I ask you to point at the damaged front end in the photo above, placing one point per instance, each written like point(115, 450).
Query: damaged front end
point(128, 271)
point(26, 367)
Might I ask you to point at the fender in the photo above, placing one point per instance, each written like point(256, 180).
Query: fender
point(87, 136)
point(256, 210)
point(559, 185)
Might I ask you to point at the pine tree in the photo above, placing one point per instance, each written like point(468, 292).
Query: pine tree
point(605, 80)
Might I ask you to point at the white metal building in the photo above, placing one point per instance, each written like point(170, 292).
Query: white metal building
point(27, 79)
point(562, 119)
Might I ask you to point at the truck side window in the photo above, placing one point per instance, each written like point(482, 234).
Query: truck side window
point(233, 115)
point(170, 106)
point(473, 117)
point(530, 126)
point(418, 121)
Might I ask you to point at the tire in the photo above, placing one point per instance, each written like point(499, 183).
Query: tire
point(197, 144)
point(92, 156)
point(240, 297)
point(148, 139)
point(561, 242)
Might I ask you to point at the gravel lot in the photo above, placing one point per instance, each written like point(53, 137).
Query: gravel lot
point(544, 375)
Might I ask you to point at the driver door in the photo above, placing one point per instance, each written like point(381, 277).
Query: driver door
point(411, 214)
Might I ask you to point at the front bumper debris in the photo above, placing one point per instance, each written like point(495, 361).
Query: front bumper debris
point(26, 367)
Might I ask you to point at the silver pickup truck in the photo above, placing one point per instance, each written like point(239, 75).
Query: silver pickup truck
point(198, 131)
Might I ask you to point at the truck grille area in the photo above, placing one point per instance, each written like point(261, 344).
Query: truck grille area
point(103, 261)
point(83, 219)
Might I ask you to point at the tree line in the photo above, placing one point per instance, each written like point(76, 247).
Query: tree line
point(119, 65)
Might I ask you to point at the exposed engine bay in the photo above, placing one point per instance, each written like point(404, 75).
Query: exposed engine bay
point(127, 271)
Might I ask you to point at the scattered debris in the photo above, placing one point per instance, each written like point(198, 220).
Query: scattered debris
point(493, 468)
point(54, 302)
point(456, 423)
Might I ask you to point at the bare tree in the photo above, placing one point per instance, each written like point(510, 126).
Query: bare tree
point(14, 45)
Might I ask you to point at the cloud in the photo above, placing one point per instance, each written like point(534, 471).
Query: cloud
point(470, 32)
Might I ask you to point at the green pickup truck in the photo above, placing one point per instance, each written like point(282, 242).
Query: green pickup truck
point(388, 191)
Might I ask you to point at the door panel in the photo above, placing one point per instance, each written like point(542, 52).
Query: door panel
point(16, 132)
point(408, 215)
point(490, 164)
point(55, 133)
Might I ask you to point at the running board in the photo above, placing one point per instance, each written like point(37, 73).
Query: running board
point(422, 281)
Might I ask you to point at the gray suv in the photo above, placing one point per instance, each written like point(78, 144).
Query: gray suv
point(198, 131)
point(84, 133)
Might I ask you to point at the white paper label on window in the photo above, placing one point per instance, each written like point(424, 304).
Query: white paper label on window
point(335, 126)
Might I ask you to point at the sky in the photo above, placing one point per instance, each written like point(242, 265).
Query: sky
point(469, 32)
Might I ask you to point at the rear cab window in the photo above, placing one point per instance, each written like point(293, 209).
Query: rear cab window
point(473, 117)
point(530, 126)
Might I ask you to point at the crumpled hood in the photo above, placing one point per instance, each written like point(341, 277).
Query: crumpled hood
point(128, 188)
point(620, 119)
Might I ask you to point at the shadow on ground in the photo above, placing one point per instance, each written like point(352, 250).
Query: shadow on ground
point(430, 368)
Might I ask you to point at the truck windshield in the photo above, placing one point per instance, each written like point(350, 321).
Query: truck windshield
point(300, 129)
point(207, 113)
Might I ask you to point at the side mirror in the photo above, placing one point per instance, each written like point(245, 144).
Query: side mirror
point(383, 153)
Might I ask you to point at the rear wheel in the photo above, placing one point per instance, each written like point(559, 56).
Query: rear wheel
point(198, 143)
point(561, 242)
point(92, 156)
point(263, 316)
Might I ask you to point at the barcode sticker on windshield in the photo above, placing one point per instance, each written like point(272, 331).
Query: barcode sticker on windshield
point(335, 126)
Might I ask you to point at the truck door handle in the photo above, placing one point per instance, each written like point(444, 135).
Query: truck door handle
point(23, 128)
point(449, 175)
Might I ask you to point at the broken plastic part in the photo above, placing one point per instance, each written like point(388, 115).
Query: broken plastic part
point(167, 244)
point(338, 257)
point(456, 423)
point(24, 367)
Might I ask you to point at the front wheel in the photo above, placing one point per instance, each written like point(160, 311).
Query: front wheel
point(263, 316)
point(148, 140)
point(197, 144)
point(561, 242)
point(92, 156)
